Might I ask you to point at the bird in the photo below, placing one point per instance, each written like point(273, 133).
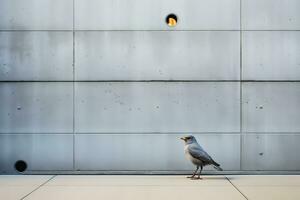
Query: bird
point(196, 154)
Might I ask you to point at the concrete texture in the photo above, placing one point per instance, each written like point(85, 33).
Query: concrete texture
point(36, 55)
point(271, 55)
point(149, 187)
point(40, 151)
point(36, 15)
point(135, 76)
point(174, 55)
point(270, 15)
point(137, 152)
point(151, 14)
point(32, 107)
point(156, 107)
point(269, 152)
point(271, 107)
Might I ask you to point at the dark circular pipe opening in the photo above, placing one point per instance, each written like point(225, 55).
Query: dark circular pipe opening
point(171, 20)
point(20, 166)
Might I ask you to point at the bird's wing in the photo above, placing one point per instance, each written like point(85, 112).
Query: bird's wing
point(199, 153)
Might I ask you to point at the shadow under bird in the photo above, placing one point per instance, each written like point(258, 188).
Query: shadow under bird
point(196, 154)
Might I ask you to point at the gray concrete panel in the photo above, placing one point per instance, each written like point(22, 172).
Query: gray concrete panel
point(271, 152)
point(36, 55)
point(271, 107)
point(127, 55)
point(39, 151)
point(32, 107)
point(151, 151)
point(151, 14)
point(156, 107)
point(36, 15)
point(271, 55)
point(270, 14)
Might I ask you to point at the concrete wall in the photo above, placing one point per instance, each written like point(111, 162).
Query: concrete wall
point(105, 86)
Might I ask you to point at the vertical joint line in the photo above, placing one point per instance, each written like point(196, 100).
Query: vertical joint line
point(73, 84)
point(241, 86)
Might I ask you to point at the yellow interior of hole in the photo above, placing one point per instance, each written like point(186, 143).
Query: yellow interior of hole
point(172, 21)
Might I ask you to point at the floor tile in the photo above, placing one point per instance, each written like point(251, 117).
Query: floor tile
point(265, 187)
point(136, 180)
point(136, 192)
point(265, 180)
point(23, 180)
point(15, 192)
point(271, 192)
point(14, 187)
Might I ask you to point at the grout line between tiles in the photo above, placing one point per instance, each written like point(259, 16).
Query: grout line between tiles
point(236, 188)
point(38, 187)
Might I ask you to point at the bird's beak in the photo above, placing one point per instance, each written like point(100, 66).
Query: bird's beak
point(182, 138)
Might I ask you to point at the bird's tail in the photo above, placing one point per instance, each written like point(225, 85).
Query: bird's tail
point(217, 166)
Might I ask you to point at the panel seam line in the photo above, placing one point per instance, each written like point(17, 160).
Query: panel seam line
point(73, 84)
point(241, 89)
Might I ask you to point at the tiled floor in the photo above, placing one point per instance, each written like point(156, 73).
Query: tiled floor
point(72, 187)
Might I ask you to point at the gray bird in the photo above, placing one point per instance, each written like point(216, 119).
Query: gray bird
point(196, 154)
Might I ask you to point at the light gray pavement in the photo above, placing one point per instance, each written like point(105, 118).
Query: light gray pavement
point(148, 187)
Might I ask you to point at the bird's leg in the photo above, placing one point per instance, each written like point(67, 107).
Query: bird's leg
point(200, 172)
point(194, 173)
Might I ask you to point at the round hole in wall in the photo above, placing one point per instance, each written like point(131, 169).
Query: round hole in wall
point(20, 165)
point(171, 20)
